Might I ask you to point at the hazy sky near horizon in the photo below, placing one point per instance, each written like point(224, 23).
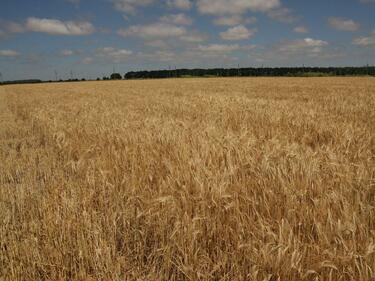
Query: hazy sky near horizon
point(87, 38)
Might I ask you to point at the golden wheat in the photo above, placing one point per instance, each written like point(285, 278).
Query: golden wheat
point(195, 179)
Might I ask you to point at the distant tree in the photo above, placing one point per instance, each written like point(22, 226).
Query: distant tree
point(98, 79)
point(263, 71)
point(116, 76)
point(83, 79)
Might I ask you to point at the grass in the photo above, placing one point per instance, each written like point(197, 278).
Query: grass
point(216, 179)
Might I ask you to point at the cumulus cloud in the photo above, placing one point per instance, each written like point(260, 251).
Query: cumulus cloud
point(218, 48)
point(223, 7)
point(67, 53)
point(307, 42)
point(14, 27)
point(179, 4)
point(234, 20)
point(159, 56)
point(49, 26)
point(239, 32)
point(87, 60)
point(301, 51)
point(57, 27)
point(180, 19)
point(300, 29)
point(130, 6)
point(229, 21)
point(282, 15)
point(365, 41)
point(186, 41)
point(308, 46)
point(193, 38)
point(166, 56)
point(343, 24)
point(157, 30)
point(161, 44)
point(9, 53)
point(10, 27)
point(109, 54)
point(114, 54)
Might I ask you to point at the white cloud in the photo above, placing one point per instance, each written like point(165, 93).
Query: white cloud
point(160, 56)
point(308, 46)
point(115, 55)
point(67, 53)
point(301, 29)
point(250, 20)
point(343, 24)
point(193, 38)
point(181, 19)
point(8, 53)
point(14, 27)
point(87, 60)
point(298, 52)
point(313, 42)
point(50, 26)
point(10, 27)
point(165, 56)
point(235, 7)
point(179, 4)
point(185, 41)
point(161, 44)
point(282, 15)
point(157, 30)
point(307, 42)
point(229, 21)
point(110, 54)
point(239, 32)
point(57, 27)
point(130, 6)
point(365, 41)
point(114, 52)
point(234, 20)
point(218, 48)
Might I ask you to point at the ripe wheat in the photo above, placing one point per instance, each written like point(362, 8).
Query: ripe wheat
point(188, 179)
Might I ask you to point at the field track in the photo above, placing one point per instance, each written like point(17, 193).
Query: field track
point(188, 179)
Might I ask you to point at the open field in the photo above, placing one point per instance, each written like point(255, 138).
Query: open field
point(188, 179)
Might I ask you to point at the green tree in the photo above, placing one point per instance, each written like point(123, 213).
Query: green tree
point(116, 76)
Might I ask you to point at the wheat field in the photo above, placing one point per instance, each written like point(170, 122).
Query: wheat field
point(188, 179)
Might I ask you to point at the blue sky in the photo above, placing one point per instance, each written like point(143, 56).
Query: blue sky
point(88, 38)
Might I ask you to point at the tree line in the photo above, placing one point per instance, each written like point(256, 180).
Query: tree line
point(249, 72)
point(27, 81)
point(227, 72)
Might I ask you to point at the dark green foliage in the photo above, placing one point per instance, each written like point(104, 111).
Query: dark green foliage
point(116, 76)
point(247, 72)
point(230, 72)
point(30, 81)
